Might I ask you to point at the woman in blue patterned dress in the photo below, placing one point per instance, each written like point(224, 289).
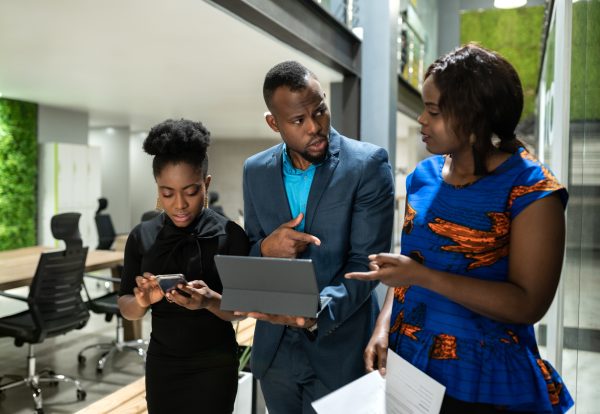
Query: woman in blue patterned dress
point(482, 247)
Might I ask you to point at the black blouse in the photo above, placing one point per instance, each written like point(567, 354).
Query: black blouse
point(159, 247)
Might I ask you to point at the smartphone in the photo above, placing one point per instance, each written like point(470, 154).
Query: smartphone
point(170, 282)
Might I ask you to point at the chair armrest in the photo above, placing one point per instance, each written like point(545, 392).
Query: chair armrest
point(10, 295)
point(104, 278)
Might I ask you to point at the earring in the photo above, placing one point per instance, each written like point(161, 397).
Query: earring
point(158, 206)
point(205, 202)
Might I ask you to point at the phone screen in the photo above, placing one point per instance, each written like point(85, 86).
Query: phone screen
point(170, 282)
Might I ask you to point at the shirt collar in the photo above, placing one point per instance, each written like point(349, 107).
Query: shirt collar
point(288, 165)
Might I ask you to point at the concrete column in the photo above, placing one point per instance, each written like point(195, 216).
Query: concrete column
point(449, 25)
point(345, 106)
point(379, 83)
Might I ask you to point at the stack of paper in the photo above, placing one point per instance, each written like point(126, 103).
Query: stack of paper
point(404, 390)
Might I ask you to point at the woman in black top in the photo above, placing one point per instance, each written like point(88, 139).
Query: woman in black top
point(191, 365)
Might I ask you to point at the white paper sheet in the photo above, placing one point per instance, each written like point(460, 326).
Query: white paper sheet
point(405, 390)
point(409, 390)
point(365, 395)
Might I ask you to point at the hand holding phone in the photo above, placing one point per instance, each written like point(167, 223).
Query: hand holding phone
point(169, 282)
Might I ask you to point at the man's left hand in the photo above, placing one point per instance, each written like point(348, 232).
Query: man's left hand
point(293, 321)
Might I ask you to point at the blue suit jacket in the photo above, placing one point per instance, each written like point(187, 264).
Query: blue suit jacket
point(350, 209)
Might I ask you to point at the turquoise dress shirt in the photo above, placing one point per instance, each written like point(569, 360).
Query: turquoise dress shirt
point(297, 186)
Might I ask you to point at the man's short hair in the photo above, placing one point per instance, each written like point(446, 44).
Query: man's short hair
point(289, 73)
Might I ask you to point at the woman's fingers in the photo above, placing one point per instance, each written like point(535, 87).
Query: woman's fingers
point(381, 359)
point(373, 266)
point(197, 284)
point(372, 275)
point(383, 259)
point(369, 358)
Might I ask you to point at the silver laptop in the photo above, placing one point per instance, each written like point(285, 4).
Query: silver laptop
point(269, 285)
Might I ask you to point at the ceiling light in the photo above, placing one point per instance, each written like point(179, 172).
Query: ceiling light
point(509, 4)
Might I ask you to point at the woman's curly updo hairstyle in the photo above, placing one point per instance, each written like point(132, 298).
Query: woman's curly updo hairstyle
point(174, 142)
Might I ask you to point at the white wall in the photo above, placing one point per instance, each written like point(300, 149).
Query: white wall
point(62, 125)
point(225, 161)
point(114, 160)
point(142, 186)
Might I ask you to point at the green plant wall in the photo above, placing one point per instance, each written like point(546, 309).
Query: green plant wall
point(514, 33)
point(585, 61)
point(18, 173)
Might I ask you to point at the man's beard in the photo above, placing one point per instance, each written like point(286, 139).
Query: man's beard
point(314, 159)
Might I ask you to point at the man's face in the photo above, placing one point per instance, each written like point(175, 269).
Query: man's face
point(303, 120)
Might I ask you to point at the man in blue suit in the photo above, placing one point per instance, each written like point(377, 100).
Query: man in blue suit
point(322, 196)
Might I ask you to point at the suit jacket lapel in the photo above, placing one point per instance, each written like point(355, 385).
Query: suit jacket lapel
point(273, 182)
point(321, 179)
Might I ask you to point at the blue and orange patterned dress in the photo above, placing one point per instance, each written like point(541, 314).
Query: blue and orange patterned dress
point(465, 230)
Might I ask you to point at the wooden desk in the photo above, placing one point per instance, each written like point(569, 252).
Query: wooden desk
point(17, 267)
point(244, 331)
point(130, 399)
point(120, 241)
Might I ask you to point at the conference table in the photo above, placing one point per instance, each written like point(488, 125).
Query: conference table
point(17, 268)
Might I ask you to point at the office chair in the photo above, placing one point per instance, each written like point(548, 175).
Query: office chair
point(107, 305)
point(213, 198)
point(104, 225)
point(55, 306)
point(150, 214)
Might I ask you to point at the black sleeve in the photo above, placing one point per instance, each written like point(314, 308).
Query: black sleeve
point(132, 263)
point(238, 243)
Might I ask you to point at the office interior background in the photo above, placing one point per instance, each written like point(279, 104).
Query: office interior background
point(81, 83)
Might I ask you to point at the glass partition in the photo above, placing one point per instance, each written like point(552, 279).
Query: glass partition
point(411, 48)
point(345, 11)
point(580, 336)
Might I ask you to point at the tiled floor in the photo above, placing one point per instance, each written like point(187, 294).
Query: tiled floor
point(581, 373)
point(581, 357)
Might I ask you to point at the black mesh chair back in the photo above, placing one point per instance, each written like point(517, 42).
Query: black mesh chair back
point(55, 302)
point(104, 225)
point(54, 299)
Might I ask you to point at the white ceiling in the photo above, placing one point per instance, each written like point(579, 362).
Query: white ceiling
point(137, 62)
